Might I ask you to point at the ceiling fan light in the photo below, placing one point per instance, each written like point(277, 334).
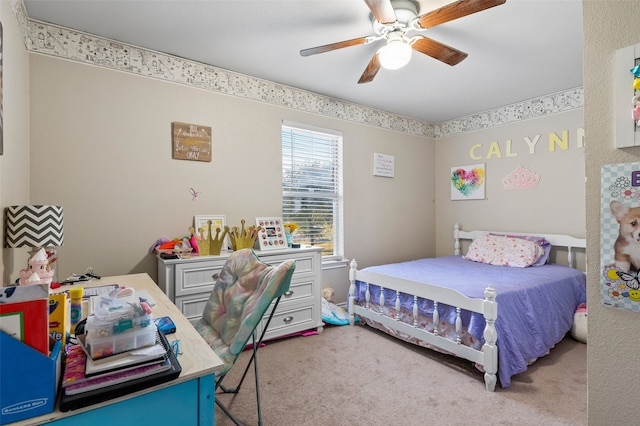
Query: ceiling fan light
point(396, 54)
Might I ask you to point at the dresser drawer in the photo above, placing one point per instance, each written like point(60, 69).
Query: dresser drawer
point(290, 320)
point(194, 278)
point(305, 264)
point(298, 289)
point(192, 306)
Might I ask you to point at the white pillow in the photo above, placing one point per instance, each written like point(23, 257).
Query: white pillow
point(504, 251)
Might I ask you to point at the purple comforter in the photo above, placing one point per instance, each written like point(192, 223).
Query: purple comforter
point(535, 304)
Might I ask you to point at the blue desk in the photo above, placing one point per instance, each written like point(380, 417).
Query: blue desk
point(188, 400)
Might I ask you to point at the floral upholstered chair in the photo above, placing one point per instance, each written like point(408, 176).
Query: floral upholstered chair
point(242, 295)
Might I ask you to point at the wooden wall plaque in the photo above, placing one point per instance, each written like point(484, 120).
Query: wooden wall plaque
point(191, 141)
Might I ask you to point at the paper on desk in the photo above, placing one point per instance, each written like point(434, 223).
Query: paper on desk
point(149, 351)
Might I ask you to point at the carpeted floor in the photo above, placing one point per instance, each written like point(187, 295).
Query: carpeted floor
point(360, 376)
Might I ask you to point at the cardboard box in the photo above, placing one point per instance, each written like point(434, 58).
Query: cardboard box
point(28, 380)
point(28, 322)
point(58, 317)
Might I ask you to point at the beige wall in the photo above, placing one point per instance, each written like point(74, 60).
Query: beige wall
point(555, 206)
point(14, 164)
point(101, 147)
point(614, 378)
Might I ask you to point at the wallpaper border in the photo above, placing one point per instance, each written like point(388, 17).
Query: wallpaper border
point(90, 49)
point(531, 108)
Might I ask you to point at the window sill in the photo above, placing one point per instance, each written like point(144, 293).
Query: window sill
point(334, 262)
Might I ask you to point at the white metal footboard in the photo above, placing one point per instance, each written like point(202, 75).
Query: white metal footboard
point(488, 307)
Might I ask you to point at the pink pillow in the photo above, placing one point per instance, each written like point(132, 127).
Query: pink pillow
point(541, 241)
point(504, 251)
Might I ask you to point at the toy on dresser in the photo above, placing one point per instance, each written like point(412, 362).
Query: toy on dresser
point(39, 270)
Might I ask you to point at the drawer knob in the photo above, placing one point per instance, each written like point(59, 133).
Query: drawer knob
point(215, 276)
point(288, 293)
point(287, 319)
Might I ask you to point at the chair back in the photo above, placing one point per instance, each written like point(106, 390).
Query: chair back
point(241, 296)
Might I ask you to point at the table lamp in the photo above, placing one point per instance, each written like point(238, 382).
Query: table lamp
point(35, 226)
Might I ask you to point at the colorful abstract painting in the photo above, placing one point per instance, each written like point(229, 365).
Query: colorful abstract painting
point(468, 182)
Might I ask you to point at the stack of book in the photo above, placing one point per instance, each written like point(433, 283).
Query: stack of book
point(83, 374)
point(119, 351)
point(88, 381)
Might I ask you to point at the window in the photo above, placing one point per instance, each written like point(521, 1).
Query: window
point(312, 186)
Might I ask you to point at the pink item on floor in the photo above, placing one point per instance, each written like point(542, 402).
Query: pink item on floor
point(299, 333)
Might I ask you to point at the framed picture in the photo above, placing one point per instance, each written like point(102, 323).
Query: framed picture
point(271, 233)
point(201, 221)
point(383, 165)
point(627, 61)
point(467, 182)
point(191, 141)
point(1, 113)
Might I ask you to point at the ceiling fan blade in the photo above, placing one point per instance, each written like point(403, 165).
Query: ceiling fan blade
point(382, 11)
point(437, 50)
point(334, 46)
point(454, 11)
point(370, 72)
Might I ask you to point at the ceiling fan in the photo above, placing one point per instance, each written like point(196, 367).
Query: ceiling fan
point(393, 20)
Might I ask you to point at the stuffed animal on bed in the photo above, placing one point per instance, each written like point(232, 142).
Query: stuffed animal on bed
point(579, 327)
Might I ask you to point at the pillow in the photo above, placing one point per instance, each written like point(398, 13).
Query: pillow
point(504, 251)
point(542, 242)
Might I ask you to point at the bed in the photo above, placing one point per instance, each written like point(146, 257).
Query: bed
point(502, 318)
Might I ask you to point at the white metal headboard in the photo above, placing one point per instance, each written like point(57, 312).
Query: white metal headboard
point(557, 240)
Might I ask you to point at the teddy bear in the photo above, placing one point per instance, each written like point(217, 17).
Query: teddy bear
point(329, 294)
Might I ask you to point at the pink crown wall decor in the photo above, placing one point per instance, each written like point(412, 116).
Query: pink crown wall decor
point(520, 178)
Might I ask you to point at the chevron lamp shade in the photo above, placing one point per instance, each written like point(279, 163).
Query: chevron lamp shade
point(34, 226)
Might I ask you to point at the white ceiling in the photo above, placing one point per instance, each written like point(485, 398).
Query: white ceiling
point(517, 51)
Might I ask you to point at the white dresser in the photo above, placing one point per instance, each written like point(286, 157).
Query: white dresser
point(188, 283)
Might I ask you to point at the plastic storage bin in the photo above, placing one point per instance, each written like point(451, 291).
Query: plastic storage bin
point(102, 346)
point(103, 328)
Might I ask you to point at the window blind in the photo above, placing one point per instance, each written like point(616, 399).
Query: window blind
point(312, 186)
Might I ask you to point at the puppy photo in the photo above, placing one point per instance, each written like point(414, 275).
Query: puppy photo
point(627, 245)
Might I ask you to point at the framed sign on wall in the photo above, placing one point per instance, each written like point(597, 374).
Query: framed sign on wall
point(190, 142)
point(383, 165)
